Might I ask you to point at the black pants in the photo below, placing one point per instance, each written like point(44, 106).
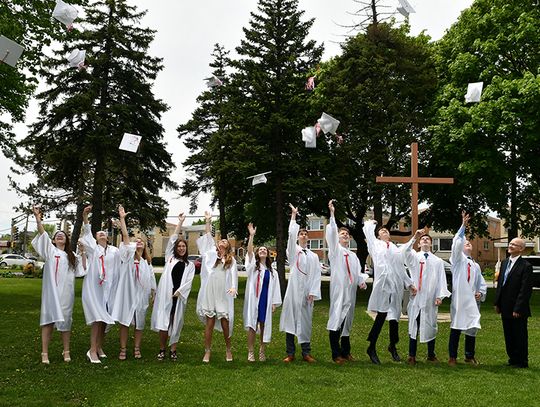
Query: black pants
point(376, 330)
point(413, 343)
point(291, 348)
point(343, 349)
point(516, 338)
point(453, 344)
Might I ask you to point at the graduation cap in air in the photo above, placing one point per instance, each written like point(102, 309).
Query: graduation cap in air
point(10, 51)
point(65, 13)
point(259, 178)
point(309, 135)
point(213, 82)
point(328, 124)
point(130, 142)
point(474, 92)
point(405, 8)
point(76, 58)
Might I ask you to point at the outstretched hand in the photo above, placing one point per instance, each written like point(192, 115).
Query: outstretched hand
point(181, 218)
point(207, 216)
point(36, 209)
point(331, 206)
point(251, 229)
point(293, 209)
point(121, 212)
point(87, 209)
point(465, 217)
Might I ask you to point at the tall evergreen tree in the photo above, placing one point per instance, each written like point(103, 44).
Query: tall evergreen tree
point(73, 146)
point(491, 147)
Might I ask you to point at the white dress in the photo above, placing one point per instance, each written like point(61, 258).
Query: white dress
point(430, 286)
point(254, 285)
point(390, 277)
point(345, 277)
point(213, 297)
point(161, 314)
point(304, 280)
point(135, 284)
point(467, 279)
point(58, 285)
point(103, 265)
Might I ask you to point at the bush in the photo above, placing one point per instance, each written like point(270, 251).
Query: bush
point(158, 261)
point(6, 274)
point(37, 272)
point(28, 269)
point(488, 273)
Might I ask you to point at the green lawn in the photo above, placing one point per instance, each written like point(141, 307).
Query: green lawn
point(25, 381)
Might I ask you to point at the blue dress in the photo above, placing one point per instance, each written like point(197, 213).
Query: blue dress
point(263, 298)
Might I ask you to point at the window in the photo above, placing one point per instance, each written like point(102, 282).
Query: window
point(445, 244)
point(486, 244)
point(315, 224)
point(352, 244)
point(315, 244)
point(435, 246)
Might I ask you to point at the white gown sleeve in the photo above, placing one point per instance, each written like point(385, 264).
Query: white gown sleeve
point(169, 250)
point(332, 238)
point(88, 240)
point(315, 279)
point(42, 244)
point(276, 300)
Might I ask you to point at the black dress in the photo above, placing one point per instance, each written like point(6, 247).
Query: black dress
point(176, 274)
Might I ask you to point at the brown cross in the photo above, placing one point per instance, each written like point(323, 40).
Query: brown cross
point(414, 179)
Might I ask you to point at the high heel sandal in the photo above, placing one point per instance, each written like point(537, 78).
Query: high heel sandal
point(123, 354)
point(89, 357)
point(161, 354)
point(67, 357)
point(228, 355)
point(251, 356)
point(173, 356)
point(101, 354)
point(206, 358)
point(137, 353)
point(45, 358)
point(262, 355)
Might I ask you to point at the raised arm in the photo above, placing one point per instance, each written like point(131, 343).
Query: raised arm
point(208, 219)
point(332, 232)
point(409, 257)
point(252, 230)
point(459, 239)
point(37, 215)
point(169, 250)
point(293, 235)
point(369, 233)
point(122, 214)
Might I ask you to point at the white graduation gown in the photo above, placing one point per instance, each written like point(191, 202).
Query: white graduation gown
point(433, 286)
point(58, 284)
point(390, 277)
point(465, 309)
point(161, 314)
point(102, 266)
point(304, 280)
point(343, 282)
point(251, 300)
point(207, 248)
point(134, 289)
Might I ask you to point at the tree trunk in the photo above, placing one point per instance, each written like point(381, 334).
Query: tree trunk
point(77, 225)
point(281, 243)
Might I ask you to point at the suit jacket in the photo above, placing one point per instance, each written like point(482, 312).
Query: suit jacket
point(514, 296)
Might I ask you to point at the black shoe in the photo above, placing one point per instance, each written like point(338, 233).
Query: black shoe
point(372, 353)
point(393, 352)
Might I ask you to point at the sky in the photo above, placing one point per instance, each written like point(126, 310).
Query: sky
point(186, 32)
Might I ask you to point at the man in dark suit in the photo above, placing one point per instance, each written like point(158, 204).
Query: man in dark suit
point(512, 297)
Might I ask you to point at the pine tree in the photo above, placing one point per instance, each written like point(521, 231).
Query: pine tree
point(73, 146)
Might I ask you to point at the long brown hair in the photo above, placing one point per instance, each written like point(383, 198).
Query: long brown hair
point(72, 259)
point(228, 256)
point(146, 253)
point(184, 258)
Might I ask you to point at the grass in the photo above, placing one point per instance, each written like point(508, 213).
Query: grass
point(188, 382)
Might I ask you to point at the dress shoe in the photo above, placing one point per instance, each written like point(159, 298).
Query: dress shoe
point(339, 360)
point(372, 353)
point(89, 357)
point(432, 359)
point(452, 362)
point(308, 358)
point(471, 361)
point(393, 352)
point(411, 360)
point(289, 359)
point(349, 358)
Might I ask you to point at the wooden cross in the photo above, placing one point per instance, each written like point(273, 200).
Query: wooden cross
point(414, 179)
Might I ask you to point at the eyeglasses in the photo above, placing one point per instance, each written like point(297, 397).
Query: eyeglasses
point(516, 245)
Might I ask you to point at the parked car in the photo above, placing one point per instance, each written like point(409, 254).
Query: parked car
point(325, 269)
point(8, 260)
point(535, 262)
point(274, 265)
point(197, 261)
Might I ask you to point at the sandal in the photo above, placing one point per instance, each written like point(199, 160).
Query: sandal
point(251, 356)
point(206, 358)
point(137, 353)
point(262, 355)
point(123, 354)
point(161, 354)
point(67, 357)
point(228, 355)
point(173, 356)
point(45, 358)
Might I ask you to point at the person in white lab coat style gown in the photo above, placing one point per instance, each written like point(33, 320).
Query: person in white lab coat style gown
point(136, 287)
point(262, 296)
point(173, 292)
point(390, 278)
point(346, 276)
point(219, 285)
point(468, 291)
point(61, 267)
point(429, 278)
point(303, 289)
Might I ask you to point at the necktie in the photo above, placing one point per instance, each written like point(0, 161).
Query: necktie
point(468, 272)
point(56, 270)
point(507, 271)
point(388, 245)
point(102, 279)
point(421, 272)
point(258, 284)
point(137, 272)
point(348, 267)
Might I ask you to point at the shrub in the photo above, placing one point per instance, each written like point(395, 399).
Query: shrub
point(488, 273)
point(28, 269)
